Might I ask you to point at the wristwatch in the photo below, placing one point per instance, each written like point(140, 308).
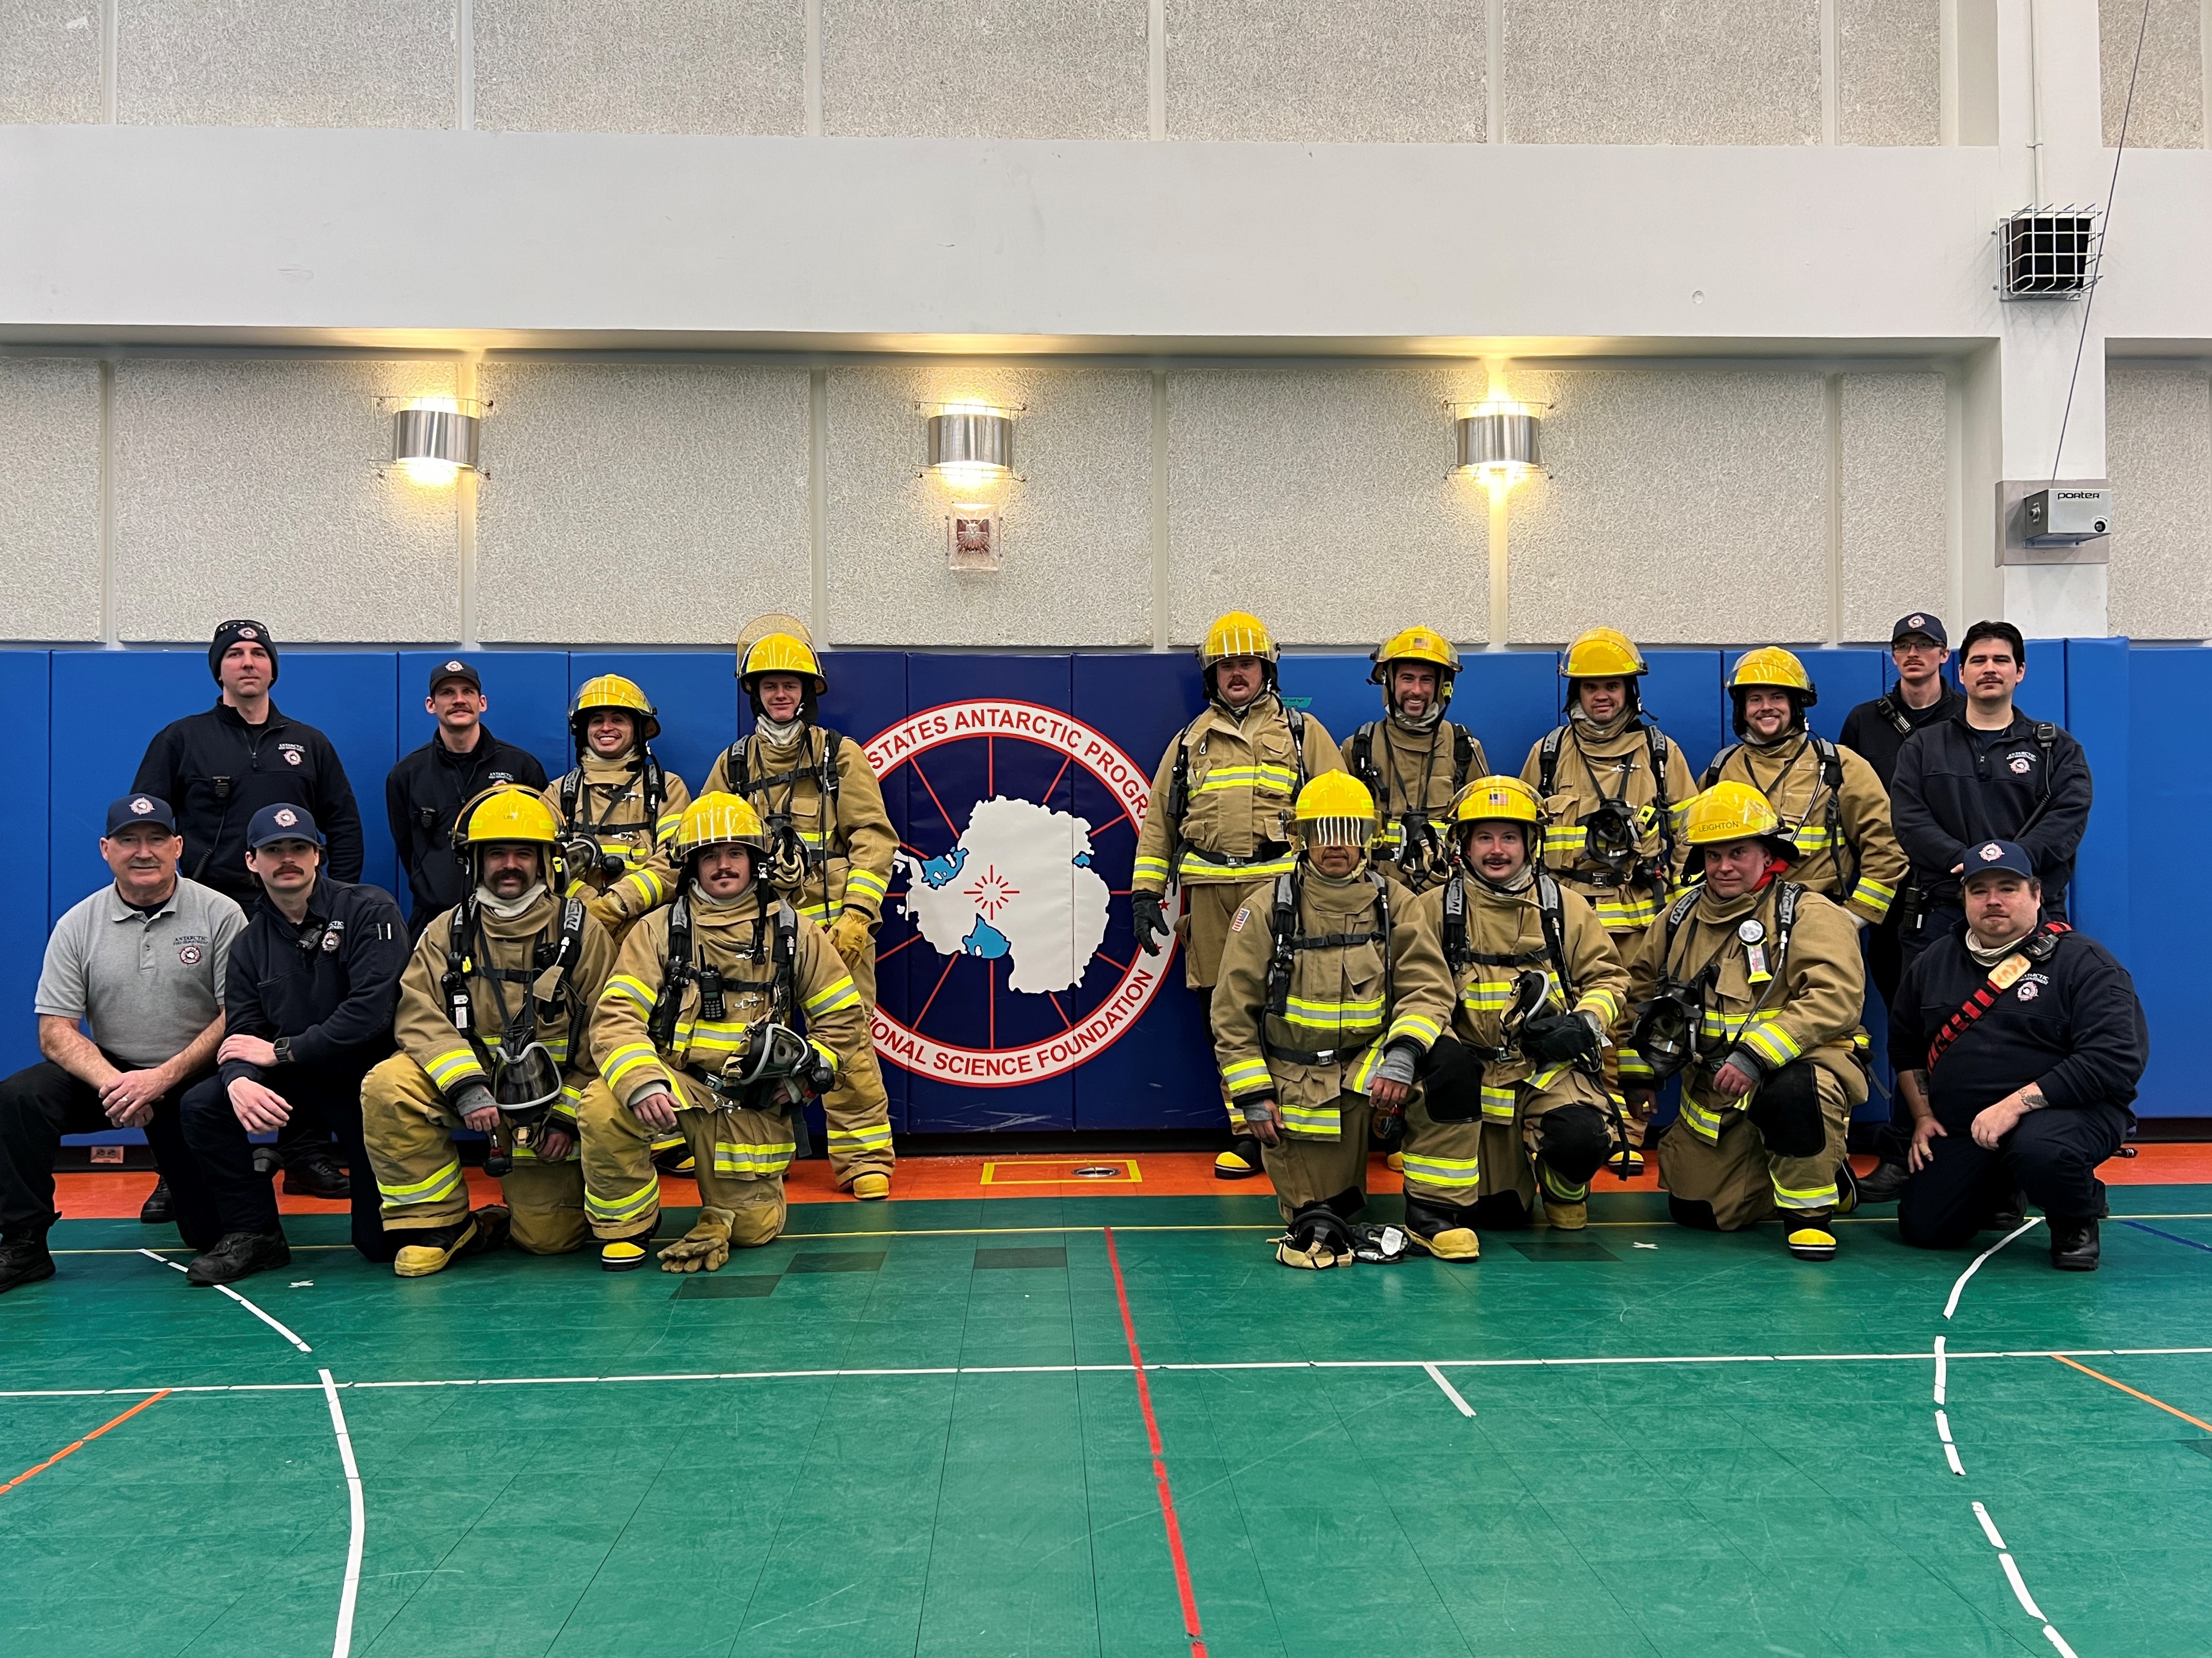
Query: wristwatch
point(284, 1047)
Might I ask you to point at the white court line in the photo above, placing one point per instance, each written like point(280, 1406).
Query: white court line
point(1069, 1369)
point(351, 1593)
point(2020, 1589)
point(1950, 1451)
point(1450, 1392)
point(1952, 1305)
point(240, 1299)
point(1942, 1368)
point(1989, 1527)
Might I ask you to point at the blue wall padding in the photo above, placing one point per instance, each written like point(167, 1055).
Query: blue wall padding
point(24, 913)
point(101, 707)
point(526, 703)
point(694, 694)
point(352, 697)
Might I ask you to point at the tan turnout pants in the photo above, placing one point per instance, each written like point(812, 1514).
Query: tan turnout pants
point(1207, 910)
point(622, 1188)
point(741, 1156)
point(1508, 1163)
point(1305, 1170)
point(1744, 1182)
point(410, 1128)
point(856, 1111)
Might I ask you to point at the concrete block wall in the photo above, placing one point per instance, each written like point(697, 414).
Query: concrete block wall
point(664, 502)
point(2158, 443)
point(1527, 71)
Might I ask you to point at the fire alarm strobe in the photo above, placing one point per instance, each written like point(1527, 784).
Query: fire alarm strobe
point(2066, 518)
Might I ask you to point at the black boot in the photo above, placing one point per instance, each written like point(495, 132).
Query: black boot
point(23, 1260)
point(265, 1160)
point(237, 1255)
point(1884, 1185)
point(2073, 1245)
point(2010, 1213)
point(319, 1175)
point(158, 1210)
point(1241, 1160)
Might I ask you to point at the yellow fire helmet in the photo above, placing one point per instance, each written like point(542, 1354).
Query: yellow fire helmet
point(506, 811)
point(1771, 666)
point(1729, 811)
point(1415, 644)
point(1496, 800)
point(718, 820)
point(1237, 633)
point(1335, 810)
point(1601, 653)
point(779, 653)
point(611, 691)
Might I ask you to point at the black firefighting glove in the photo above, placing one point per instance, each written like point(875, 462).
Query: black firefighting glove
point(1559, 1038)
point(1148, 916)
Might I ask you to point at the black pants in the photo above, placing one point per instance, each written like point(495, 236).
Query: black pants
point(1937, 921)
point(2052, 1157)
point(39, 1105)
point(325, 1102)
point(302, 1138)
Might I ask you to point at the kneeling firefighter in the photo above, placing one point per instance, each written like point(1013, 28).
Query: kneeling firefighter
point(829, 845)
point(1219, 816)
point(618, 806)
point(492, 1027)
point(1750, 986)
point(1330, 995)
point(727, 1012)
point(1512, 1101)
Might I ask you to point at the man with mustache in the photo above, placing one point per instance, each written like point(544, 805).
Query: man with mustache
point(140, 966)
point(1989, 773)
point(309, 1002)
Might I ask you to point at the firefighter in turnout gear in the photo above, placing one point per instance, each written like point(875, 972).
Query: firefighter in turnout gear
point(1609, 781)
point(1413, 760)
point(1219, 818)
point(1512, 1101)
point(727, 1012)
point(618, 806)
point(1750, 985)
point(493, 1032)
point(1833, 809)
point(829, 848)
point(1329, 996)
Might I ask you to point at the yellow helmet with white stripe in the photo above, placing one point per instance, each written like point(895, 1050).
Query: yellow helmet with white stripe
point(1239, 633)
point(1335, 810)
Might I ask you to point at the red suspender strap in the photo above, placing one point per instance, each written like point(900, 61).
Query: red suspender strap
point(2006, 975)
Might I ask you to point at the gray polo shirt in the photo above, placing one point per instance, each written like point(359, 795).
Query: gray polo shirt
point(145, 984)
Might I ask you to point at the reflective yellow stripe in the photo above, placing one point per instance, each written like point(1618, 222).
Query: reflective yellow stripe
point(628, 984)
point(1364, 1073)
point(1767, 1039)
point(626, 1061)
point(1498, 1103)
point(713, 1035)
point(843, 993)
point(620, 1209)
point(1151, 868)
point(1280, 778)
point(1703, 1122)
point(1815, 1197)
point(865, 882)
point(740, 1157)
point(1199, 873)
point(443, 1184)
point(1415, 1027)
point(1324, 1121)
point(1602, 1003)
point(1246, 1075)
point(1566, 1191)
point(1444, 1172)
point(1634, 1067)
point(1563, 839)
point(647, 887)
point(447, 1069)
point(1871, 893)
point(1487, 995)
point(1615, 910)
point(879, 1134)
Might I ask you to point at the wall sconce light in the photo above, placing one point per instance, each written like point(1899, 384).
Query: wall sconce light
point(969, 445)
point(433, 439)
point(1497, 444)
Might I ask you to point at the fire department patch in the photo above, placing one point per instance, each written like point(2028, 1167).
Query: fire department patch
point(1991, 853)
point(286, 817)
point(2029, 992)
point(141, 806)
point(291, 756)
point(188, 954)
point(2021, 765)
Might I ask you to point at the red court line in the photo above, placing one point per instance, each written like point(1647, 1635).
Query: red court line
point(2124, 1389)
point(1190, 1624)
point(67, 1450)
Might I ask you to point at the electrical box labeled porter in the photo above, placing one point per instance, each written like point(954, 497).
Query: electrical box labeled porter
point(2062, 517)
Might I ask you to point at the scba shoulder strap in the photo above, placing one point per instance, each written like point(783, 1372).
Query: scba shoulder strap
point(1282, 961)
point(1179, 782)
point(647, 771)
point(1551, 910)
point(464, 931)
point(824, 770)
point(678, 970)
point(1831, 760)
point(2036, 947)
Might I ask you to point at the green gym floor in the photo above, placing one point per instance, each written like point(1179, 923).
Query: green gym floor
point(915, 1428)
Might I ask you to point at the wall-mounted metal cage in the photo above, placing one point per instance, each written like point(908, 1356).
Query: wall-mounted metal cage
point(2047, 253)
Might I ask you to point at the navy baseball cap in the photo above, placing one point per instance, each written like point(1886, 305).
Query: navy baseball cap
point(1920, 622)
point(282, 822)
point(140, 809)
point(1992, 855)
point(453, 668)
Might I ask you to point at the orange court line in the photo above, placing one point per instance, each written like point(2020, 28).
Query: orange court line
point(2124, 1389)
point(67, 1450)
